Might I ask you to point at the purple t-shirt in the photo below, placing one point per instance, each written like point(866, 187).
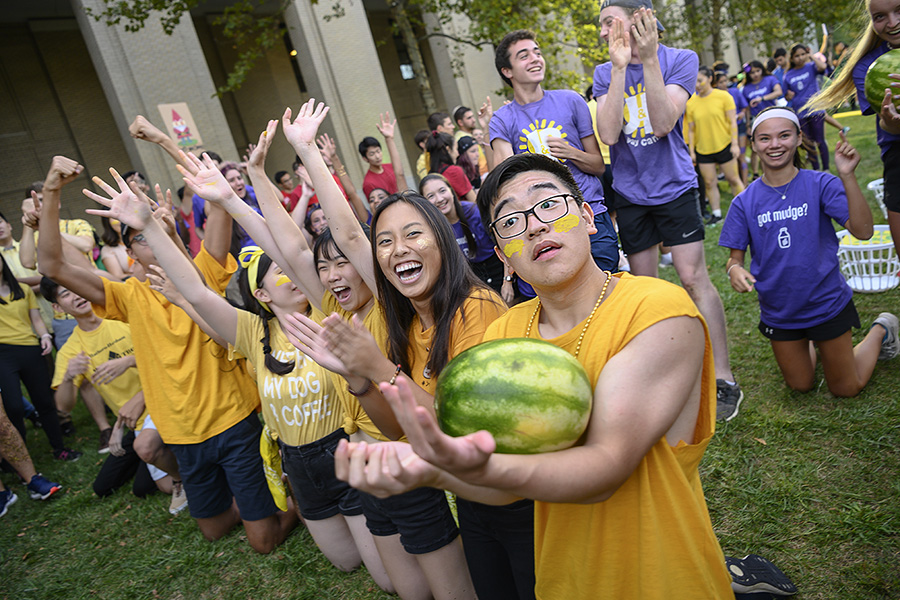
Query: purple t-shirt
point(803, 83)
point(740, 103)
point(793, 247)
point(650, 170)
point(765, 86)
point(885, 139)
point(560, 113)
point(484, 245)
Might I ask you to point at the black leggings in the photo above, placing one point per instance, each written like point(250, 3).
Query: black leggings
point(25, 364)
point(499, 546)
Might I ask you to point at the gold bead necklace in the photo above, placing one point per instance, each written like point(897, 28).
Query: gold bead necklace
point(586, 324)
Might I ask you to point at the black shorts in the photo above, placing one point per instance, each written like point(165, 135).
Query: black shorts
point(422, 517)
point(317, 490)
point(833, 328)
point(891, 161)
point(719, 158)
point(673, 223)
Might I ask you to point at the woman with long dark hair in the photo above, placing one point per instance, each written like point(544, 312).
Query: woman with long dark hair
point(470, 232)
point(434, 308)
point(761, 90)
point(443, 152)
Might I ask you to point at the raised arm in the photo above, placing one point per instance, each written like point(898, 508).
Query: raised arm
point(386, 128)
point(51, 259)
point(291, 252)
point(123, 204)
point(142, 129)
point(329, 148)
point(665, 103)
point(846, 159)
point(348, 233)
point(485, 113)
point(611, 106)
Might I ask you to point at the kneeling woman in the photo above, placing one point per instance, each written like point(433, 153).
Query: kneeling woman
point(785, 218)
point(298, 398)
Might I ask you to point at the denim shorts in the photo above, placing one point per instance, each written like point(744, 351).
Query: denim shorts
point(310, 469)
point(422, 518)
point(224, 466)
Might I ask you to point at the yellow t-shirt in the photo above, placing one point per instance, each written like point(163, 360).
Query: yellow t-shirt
point(653, 539)
point(301, 406)
point(355, 417)
point(15, 322)
point(712, 127)
point(109, 341)
point(191, 388)
point(11, 256)
point(478, 311)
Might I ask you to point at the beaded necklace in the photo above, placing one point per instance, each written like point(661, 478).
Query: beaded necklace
point(586, 324)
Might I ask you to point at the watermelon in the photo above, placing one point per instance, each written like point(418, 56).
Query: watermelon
point(877, 79)
point(530, 395)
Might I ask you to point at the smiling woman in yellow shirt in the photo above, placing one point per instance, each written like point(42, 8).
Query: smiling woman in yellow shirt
point(713, 138)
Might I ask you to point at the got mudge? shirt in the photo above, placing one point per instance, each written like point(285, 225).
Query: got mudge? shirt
point(651, 170)
point(793, 247)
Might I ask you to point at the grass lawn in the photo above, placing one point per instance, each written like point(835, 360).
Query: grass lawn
point(809, 480)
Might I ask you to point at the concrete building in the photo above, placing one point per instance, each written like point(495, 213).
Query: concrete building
point(71, 85)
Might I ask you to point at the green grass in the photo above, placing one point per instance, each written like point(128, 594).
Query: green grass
point(808, 480)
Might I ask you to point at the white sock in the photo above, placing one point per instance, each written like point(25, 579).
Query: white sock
point(717, 212)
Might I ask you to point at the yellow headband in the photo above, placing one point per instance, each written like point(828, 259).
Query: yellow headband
point(249, 260)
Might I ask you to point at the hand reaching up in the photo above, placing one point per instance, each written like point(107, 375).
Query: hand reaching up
point(257, 158)
point(205, 179)
point(302, 131)
point(386, 126)
point(123, 205)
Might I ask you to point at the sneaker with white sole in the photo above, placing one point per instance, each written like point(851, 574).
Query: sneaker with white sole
point(7, 499)
point(890, 345)
point(754, 573)
point(728, 400)
point(179, 498)
point(41, 488)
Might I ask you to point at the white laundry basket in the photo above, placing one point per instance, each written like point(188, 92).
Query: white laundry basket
point(877, 188)
point(869, 265)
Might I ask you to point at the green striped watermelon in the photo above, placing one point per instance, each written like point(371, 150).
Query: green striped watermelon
point(530, 395)
point(877, 79)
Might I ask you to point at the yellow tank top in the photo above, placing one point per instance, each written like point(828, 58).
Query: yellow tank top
point(653, 539)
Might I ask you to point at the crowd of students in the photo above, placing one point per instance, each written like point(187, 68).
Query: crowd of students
point(333, 316)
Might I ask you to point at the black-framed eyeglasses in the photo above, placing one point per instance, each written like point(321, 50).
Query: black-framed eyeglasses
point(139, 239)
point(546, 211)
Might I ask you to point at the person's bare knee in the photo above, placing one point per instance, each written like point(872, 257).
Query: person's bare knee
point(148, 446)
point(264, 535)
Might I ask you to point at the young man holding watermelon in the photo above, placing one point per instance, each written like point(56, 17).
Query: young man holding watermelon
point(622, 513)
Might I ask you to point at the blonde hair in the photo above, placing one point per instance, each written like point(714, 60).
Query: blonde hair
point(843, 86)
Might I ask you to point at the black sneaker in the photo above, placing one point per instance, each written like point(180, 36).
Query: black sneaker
point(35, 420)
point(728, 400)
point(712, 220)
point(754, 573)
point(67, 454)
point(104, 441)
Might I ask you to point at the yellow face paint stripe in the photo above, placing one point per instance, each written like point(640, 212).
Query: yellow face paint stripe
point(513, 247)
point(282, 280)
point(566, 223)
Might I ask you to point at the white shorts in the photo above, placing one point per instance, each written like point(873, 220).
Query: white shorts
point(155, 473)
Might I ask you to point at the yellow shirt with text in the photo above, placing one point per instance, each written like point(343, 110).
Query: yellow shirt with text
point(111, 340)
point(301, 406)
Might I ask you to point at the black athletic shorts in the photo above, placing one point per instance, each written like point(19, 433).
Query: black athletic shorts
point(719, 158)
point(833, 328)
point(891, 161)
point(673, 223)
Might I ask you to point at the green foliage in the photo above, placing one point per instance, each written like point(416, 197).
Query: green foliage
point(769, 23)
